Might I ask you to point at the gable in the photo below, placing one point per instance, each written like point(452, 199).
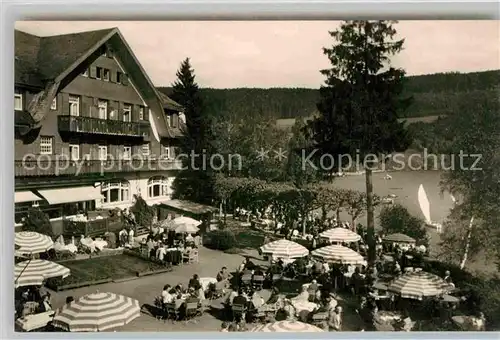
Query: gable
point(61, 58)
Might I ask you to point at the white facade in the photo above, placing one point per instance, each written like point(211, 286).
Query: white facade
point(154, 188)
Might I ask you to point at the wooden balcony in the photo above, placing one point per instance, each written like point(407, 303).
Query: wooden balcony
point(65, 167)
point(77, 124)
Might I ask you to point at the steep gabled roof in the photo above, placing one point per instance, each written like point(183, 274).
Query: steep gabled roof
point(44, 62)
point(169, 103)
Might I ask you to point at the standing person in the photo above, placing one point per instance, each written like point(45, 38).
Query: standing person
point(122, 236)
point(131, 236)
point(335, 320)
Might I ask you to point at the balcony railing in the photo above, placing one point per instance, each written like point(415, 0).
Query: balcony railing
point(64, 167)
point(103, 126)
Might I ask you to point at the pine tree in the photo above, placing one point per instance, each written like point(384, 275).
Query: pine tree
point(195, 182)
point(361, 101)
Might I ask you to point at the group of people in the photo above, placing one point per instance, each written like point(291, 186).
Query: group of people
point(180, 296)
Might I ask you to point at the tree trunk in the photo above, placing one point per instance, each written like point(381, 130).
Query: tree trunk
point(338, 217)
point(353, 221)
point(370, 221)
point(304, 223)
point(467, 244)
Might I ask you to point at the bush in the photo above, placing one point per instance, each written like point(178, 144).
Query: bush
point(397, 219)
point(37, 221)
point(144, 214)
point(221, 239)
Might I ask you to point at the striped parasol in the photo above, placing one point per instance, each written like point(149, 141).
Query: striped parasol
point(417, 285)
point(339, 254)
point(287, 327)
point(399, 238)
point(340, 235)
point(34, 272)
point(30, 242)
point(285, 249)
point(97, 312)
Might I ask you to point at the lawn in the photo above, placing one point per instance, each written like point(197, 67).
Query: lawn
point(106, 267)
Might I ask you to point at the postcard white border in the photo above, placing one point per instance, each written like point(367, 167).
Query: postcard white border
point(12, 11)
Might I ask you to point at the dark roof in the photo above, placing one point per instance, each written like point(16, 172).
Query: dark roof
point(169, 103)
point(38, 59)
point(190, 207)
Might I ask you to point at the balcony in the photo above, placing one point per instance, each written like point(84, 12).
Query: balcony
point(103, 126)
point(65, 167)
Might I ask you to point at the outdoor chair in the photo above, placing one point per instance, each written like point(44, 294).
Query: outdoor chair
point(238, 311)
point(246, 280)
point(319, 319)
point(30, 307)
point(172, 312)
point(258, 282)
point(192, 310)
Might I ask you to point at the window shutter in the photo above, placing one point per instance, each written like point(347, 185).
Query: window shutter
point(125, 79)
point(65, 151)
point(92, 72)
point(65, 101)
point(85, 110)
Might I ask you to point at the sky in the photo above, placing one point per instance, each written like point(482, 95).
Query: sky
point(229, 54)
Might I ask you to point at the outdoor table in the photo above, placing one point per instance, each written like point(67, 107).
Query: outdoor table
point(303, 305)
point(35, 321)
point(450, 299)
point(388, 317)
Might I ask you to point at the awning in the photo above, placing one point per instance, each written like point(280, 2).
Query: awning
point(25, 196)
point(69, 195)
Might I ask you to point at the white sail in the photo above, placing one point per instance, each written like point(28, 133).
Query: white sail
point(425, 206)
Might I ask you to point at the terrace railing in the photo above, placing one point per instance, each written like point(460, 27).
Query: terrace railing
point(98, 126)
point(65, 167)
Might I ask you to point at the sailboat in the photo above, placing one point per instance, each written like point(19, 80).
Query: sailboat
point(425, 207)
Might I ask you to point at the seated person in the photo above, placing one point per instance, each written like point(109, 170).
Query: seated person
point(257, 300)
point(166, 296)
point(179, 301)
point(223, 275)
point(313, 287)
point(303, 296)
point(249, 265)
point(194, 282)
point(258, 271)
point(193, 296)
point(232, 295)
point(289, 310)
point(240, 299)
point(45, 305)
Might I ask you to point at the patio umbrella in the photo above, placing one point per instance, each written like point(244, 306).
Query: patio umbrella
point(30, 242)
point(285, 249)
point(339, 254)
point(340, 235)
point(34, 272)
point(287, 327)
point(183, 221)
point(399, 238)
point(417, 285)
point(97, 312)
point(186, 229)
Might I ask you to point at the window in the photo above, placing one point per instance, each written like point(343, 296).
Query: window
point(127, 113)
point(105, 74)
point(85, 73)
point(103, 109)
point(166, 152)
point(182, 117)
point(118, 191)
point(158, 187)
point(103, 152)
point(18, 101)
point(127, 152)
point(119, 77)
point(74, 105)
point(145, 149)
point(46, 145)
point(141, 113)
point(53, 106)
point(98, 72)
point(74, 152)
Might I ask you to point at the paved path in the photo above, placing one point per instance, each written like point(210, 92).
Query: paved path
point(145, 289)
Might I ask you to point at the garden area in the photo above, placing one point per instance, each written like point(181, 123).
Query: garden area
point(104, 269)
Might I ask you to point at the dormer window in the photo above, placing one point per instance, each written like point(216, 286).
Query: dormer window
point(105, 74)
